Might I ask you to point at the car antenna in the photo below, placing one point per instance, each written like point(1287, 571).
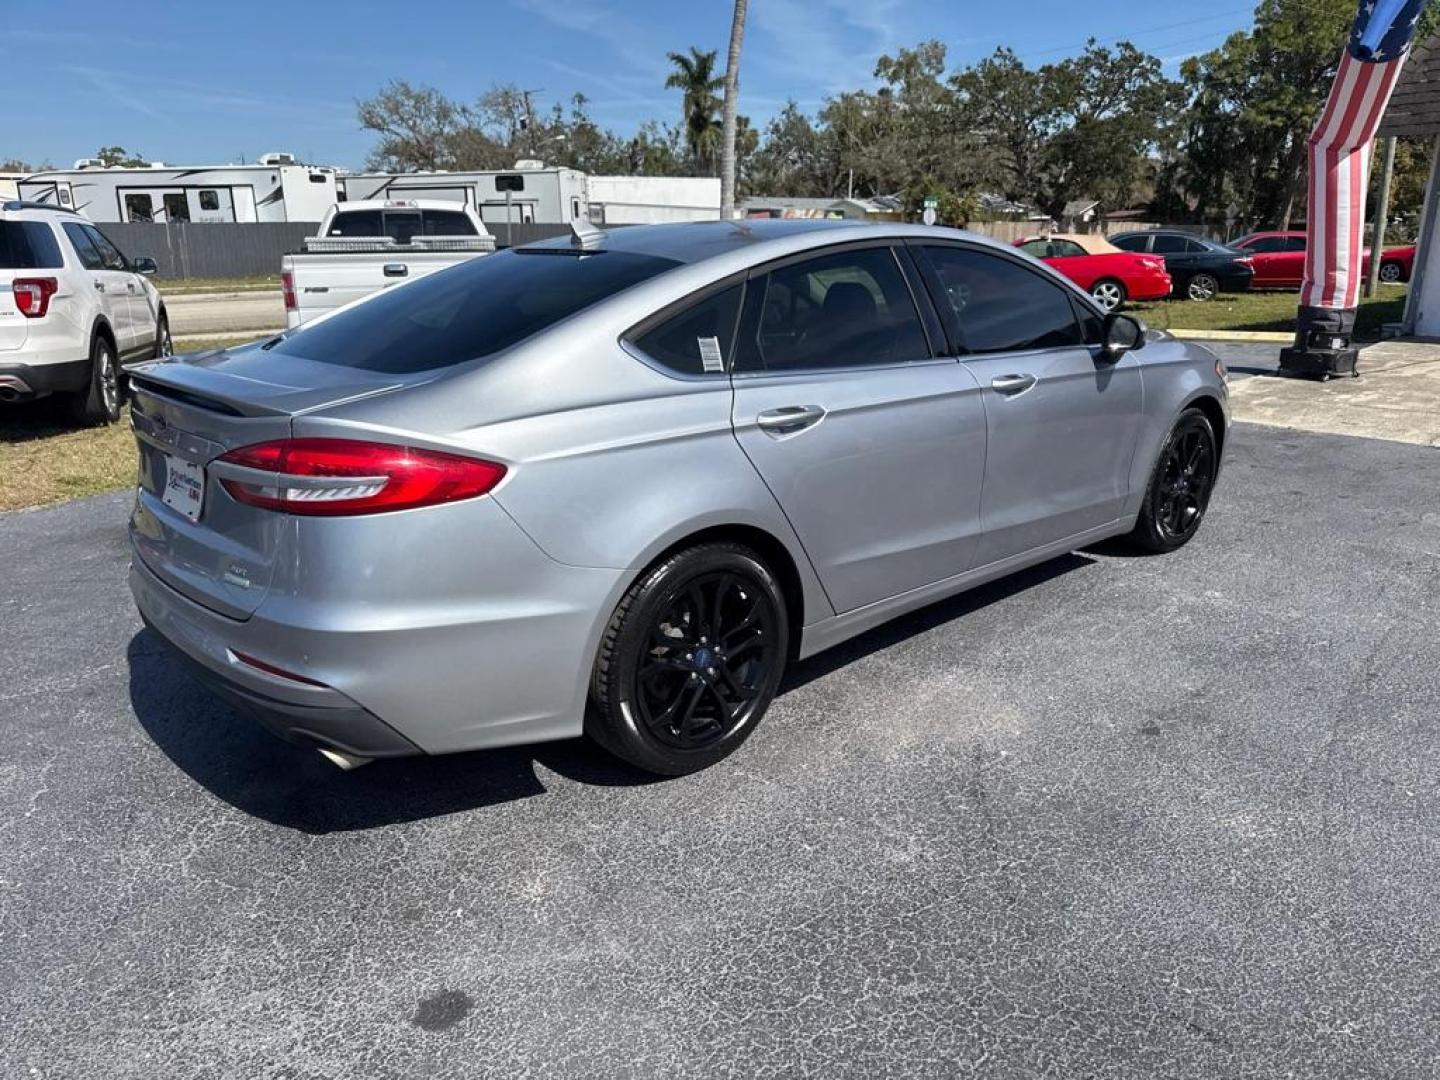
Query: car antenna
point(585, 235)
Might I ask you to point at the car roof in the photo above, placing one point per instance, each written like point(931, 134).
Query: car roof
point(402, 204)
point(699, 241)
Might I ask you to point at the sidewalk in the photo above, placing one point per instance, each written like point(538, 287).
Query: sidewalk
point(1396, 397)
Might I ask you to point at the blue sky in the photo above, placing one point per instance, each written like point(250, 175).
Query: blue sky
point(207, 83)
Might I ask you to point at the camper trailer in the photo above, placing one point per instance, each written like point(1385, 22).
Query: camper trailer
point(527, 193)
point(159, 193)
point(652, 200)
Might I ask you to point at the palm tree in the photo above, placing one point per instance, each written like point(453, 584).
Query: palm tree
point(694, 76)
point(732, 96)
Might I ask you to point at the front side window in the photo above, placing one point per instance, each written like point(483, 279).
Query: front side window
point(697, 340)
point(109, 253)
point(1001, 306)
point(87, 251)
point(471, 310)
point(850, 309)
point(1295, 243)
point(28, 245)
point(1265, 245)
point(1052, 249)
point(139, 208)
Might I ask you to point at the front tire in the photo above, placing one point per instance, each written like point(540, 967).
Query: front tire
point(99, 402)
point(1109, 294)
point(1392, 273)
point(1180, 487)
point(164, 344)
point(690, 660)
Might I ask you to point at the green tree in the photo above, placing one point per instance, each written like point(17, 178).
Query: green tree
point(694, 76)
point(112, 156)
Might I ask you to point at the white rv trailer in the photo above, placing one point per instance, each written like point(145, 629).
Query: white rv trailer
point(269, 192)
point(653, 200)
point(527, 193)
point(9, 185)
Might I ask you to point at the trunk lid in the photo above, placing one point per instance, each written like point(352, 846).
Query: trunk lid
point(188, 411)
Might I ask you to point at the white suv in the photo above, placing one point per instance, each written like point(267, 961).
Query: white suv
point(74, 311)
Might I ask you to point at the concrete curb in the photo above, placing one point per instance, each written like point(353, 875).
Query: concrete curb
point(231, 334)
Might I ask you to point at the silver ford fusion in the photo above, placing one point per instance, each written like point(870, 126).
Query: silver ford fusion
point(614, 484)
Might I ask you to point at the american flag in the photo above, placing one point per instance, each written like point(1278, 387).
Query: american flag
point(1340, 149)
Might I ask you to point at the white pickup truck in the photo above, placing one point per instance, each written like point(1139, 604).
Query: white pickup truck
point(366, 246)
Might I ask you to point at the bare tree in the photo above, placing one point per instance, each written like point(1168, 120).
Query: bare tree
point(727, 122)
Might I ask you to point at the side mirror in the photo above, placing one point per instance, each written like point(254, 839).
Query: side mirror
point(145, 265)
point(1123, 334)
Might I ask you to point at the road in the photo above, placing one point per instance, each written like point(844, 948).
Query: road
point(1118, 817)
point(216, 313)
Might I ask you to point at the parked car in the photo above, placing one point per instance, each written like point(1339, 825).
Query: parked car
point(1109, 275)
point(1201, 269)
point(372, 244)
point(74, 311)
point(1279, 260)
point(616, 484)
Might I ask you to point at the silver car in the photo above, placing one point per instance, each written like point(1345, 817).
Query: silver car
point(614, 484)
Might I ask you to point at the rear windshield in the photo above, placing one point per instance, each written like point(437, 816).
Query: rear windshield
point(475, 309)
point(28, 245)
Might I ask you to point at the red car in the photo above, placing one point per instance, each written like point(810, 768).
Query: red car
point(1279, 259)
point(1108, 274)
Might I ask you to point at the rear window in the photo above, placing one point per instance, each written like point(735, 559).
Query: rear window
point(448, 223)
point(356, 223)
point(472, 310)
point(28, 245)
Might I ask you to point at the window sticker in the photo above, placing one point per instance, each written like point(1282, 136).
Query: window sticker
point(710, 356)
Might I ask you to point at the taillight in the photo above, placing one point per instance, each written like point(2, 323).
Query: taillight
point(32, 295)
point(287, 286)
point(334, 477)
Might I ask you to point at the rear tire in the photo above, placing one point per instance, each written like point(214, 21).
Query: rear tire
point(1179, 491)
point(690, 660)
point(1202, 287)
point(99, 402)
point(1109, 294)
point(1392, 273)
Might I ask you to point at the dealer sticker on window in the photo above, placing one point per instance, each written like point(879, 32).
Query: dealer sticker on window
point(711, 358)
point(184, 486)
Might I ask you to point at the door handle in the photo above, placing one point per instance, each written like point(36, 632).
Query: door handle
point(396, 270)
point(790, 419)
point(1012, 384)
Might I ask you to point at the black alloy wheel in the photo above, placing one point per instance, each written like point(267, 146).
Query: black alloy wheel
point(691, 660)
point(1180, 487)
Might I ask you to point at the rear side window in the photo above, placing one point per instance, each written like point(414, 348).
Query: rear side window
point(1173, 245)
point(84, 247)
point(472, 310)
point(1001, 306)
point(28, 245)
point(1295, 243)
point(447, 223)
point(1131, 243)
point(698, 340)
point(851, 309)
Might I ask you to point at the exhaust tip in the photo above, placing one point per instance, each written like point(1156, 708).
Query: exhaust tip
point(342, 760)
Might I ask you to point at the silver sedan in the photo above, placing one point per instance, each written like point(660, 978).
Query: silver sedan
point(614, 484)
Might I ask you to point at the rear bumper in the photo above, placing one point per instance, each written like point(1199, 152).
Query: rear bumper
point(489, 643)
point(338, 726)
point(1155, 287)
point(23, 382)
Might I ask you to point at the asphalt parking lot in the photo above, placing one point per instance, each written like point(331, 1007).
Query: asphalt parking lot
point(1119, 817)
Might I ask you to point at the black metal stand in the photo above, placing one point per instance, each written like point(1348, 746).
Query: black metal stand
point(1322, 348)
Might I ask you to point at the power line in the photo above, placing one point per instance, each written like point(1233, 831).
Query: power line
point(1032, 53)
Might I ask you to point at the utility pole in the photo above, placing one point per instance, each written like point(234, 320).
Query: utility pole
point(728, 121)
point(1382, 211)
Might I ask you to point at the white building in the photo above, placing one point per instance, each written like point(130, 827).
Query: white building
point(272, 191)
